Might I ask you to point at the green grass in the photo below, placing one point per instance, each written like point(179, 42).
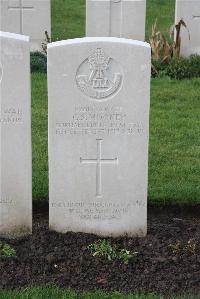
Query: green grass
point(164, 12)
point(174, 140)
point(56, 293)
point(68, 17)
point(40, 136)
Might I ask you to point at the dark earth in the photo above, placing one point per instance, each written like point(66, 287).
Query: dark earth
point(64, 259)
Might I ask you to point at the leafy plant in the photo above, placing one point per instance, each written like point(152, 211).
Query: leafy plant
point(190, 247)
point(38, 62)
point(6, 250)
point(182, 68)
point(39, 59)
point(176, 248)
point(103, 248)
point(124, 255)
point(163, 50)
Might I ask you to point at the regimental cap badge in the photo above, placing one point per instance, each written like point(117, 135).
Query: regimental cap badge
point(96, 76)
point(98, 60)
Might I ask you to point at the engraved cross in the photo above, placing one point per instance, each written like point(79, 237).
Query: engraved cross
point(99, 161)
point(21, 8)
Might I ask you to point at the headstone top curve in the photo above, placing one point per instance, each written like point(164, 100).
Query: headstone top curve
point(14, 36)
point(98, 39)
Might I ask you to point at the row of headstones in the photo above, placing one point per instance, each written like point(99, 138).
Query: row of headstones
point(98, 93)
point(106, 18)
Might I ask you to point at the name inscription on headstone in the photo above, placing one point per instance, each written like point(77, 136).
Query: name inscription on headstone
point(11, 116)
point(90, 120)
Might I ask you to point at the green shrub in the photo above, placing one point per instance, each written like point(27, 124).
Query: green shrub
point(103, 248)
point(6, 250)
point(38, 62)
point(181, 68)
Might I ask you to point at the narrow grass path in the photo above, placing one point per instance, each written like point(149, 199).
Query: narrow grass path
point(40, 136)
point(174, 140)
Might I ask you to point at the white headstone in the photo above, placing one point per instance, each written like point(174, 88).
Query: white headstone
point(118, 18)
point(28, 17)
point(15, 136)
point(189, 11)
point(98, 135)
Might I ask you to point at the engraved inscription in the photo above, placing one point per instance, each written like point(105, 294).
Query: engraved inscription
point(20, 8)
point(100, 211)
point(11, 115)
point(6, 201)
point(99, 122)
point(99, 76)
point(99, 161)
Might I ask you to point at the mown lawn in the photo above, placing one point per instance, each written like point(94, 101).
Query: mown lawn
point(68, 17)
point(164, 12)
point(174, 140)
point(56, 293)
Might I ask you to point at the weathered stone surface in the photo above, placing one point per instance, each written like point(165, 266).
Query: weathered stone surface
point(189, 11)
point(15, 136)
point(99, 90)
point(28, 17)
point(118, 18)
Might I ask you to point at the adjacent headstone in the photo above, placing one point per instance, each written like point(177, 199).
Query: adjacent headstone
point(116, 18)
point(189, 11)
point(15, 136)
point(28, 17)
point(99, 90)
